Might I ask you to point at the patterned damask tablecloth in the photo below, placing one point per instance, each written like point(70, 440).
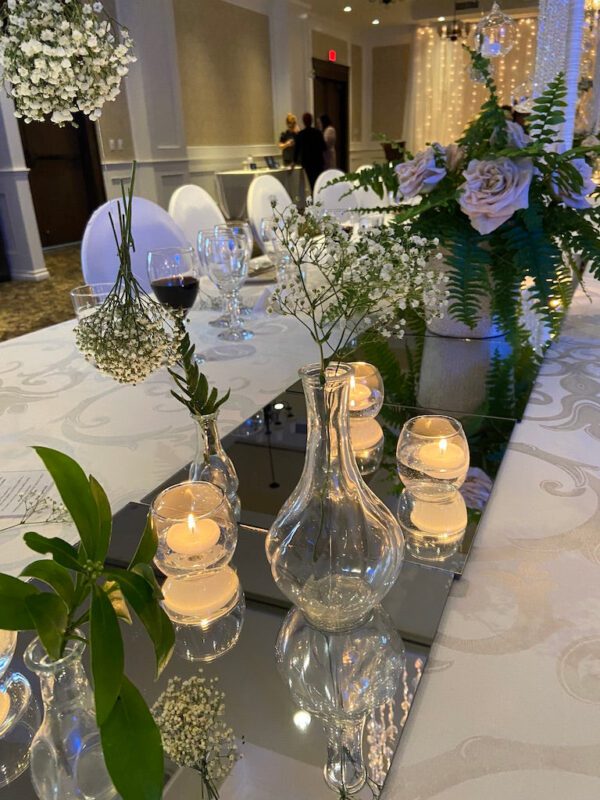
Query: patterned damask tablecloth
point(509, 704)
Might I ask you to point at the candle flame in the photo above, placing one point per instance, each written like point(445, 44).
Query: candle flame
point(443, 445)
point(191, 523)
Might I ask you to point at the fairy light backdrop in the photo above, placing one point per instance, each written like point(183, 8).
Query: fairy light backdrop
point(443, 97)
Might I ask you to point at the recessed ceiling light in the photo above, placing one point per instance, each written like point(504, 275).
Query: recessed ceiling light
point(441, 19)
point(304, 15)
point(347, 9)
point(375, 22)
point(302, 720)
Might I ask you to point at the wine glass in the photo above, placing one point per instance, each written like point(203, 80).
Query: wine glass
point(239, 229)
point(88, 298)
point(173, 274)
point(203, 235)
point(227, 263)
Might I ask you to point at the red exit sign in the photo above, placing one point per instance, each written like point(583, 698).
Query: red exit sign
point(332, 55)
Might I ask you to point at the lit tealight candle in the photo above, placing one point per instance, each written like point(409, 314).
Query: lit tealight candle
point(443, 459)
point(4, 705)
point(204, 598)
point(360, 395)
point(194, 536)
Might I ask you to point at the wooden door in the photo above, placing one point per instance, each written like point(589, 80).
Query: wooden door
point(330, 89)
point(65, 177)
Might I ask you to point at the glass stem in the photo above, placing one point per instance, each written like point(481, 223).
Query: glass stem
point(234, 310)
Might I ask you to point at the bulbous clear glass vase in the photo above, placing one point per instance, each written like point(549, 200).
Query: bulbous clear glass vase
point(66, 756)
point(211, 463)
point(340, 678)
point(335, 549)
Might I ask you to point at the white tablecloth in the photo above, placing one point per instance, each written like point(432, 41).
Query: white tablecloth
point(232, 187)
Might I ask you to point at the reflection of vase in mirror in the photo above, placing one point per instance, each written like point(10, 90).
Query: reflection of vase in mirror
point(211, 463)
point(335, 549)
point(454, 372)
point(340, 678)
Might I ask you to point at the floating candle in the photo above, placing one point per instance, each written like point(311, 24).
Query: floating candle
point(365, 434)
point(204, 598)
point(194, 536)
point(4, 705)
point(360, 395)
point(444, 518)
point(443, 459)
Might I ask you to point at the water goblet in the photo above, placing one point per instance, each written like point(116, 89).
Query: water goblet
point(239, 229)
point(228, 269)
point(203, 249)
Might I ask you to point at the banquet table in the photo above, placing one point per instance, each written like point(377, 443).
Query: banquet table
point(508, 704)
point(233, 185)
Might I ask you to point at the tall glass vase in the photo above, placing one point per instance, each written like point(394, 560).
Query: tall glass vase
point(211, 463)
point(66, 756)
point(335, 549)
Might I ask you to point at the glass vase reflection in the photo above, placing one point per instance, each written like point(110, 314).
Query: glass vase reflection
point(432, 453)
point(340, 678)
point(195, 527)
point(434, 527)
point(335, 549)
point(211, 463)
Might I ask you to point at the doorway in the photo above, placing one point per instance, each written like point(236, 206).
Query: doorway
point(330, 89)
point(65, 177)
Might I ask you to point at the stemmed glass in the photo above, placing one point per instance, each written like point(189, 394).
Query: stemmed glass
point(274, 248)
point(173, 274)
point(227, 264)
point(204, 234)
point(239, 229)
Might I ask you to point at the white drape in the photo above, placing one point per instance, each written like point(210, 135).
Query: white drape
point(443, 98)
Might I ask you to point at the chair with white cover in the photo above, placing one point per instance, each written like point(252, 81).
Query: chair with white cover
point(152, 228)
point(262, 193)
point(193, 209)
point(366, 196)
point(339, 197)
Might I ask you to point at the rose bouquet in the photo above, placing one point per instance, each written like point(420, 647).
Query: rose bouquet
point(507, 206)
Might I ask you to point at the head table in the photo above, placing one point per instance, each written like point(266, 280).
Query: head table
point(509, 703)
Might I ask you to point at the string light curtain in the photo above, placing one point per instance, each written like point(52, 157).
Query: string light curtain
point(443, 97)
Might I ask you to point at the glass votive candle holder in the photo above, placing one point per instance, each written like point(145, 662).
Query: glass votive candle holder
point(432, 452)
point(20, 719)
point(8, 643)
point(88, 297)
point(195, 527)
point(367, 440)
point(203, 599)
point(209, 641)
point(433, 527)
point(366, 390)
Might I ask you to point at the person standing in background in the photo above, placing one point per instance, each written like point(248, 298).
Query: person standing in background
point(330, 138)
point(287, 140)
point(310, 149)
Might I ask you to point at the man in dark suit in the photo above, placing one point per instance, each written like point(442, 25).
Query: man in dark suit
point(310, 149)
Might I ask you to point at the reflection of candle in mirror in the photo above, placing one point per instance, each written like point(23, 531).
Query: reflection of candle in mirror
point(447, 518)
point(443, 459)
point(203, 597)
point(4, 704)
point(360, 395)
point(194, 536)
point(365, 434)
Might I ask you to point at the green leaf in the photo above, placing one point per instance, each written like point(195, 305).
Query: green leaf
point(117, 600)
point(147, 573)
point(50, 616)
point(146, 549)
point(140, 596)
point(62, 552)
point(55, 576)
point(14, 614)
point(128, 733)
point(74, 489)
point(106, 645)
point(104, 518)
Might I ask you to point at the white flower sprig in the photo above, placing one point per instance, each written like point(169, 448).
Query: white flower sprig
point(59, 58)
point(130, 335)
point(189, 715)
point(369, 279)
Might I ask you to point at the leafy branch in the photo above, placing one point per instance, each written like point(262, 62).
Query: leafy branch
point(195, 393)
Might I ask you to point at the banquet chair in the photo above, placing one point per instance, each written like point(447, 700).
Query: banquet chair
point(339, 197)
point(193, 209)
point(262, 192)
point(152, 228)
point(366, 196)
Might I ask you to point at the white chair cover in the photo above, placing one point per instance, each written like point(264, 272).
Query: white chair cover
point(367, 197)
point(193, 209)
point(152, 228)
point(263, 190)
point(332, 197)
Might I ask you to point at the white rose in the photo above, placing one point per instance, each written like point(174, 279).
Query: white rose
point(494, 190)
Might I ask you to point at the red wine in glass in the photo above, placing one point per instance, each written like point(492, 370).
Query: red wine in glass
point(176, 291)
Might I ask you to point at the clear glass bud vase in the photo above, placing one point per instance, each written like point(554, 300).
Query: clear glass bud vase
point(66, 756)
point(335, 549)
point(211, 463)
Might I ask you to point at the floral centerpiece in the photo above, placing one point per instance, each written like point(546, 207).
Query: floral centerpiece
point(59, 58)
point(506, 203)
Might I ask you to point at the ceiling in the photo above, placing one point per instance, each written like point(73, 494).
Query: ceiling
point(401, 12)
